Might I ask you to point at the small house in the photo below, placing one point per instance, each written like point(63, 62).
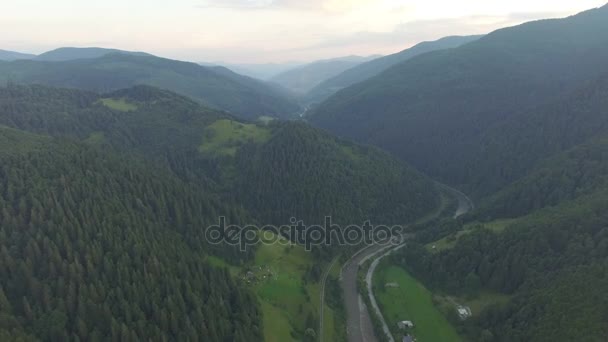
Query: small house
point(464, 312)
point(405, 325)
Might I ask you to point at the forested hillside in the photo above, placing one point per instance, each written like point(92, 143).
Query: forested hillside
point(549, 264)
point(237, 94)
point(275, 170)
point(579, 171)
point(549, 255)
point(510, 149)
point(434, 110)
point(308, 174)
point(97, 246)
point(374, 67)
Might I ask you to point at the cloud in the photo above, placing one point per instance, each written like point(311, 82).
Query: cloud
point(237, 4)
point(331, 6)
point(261, 4)
point(413, 32)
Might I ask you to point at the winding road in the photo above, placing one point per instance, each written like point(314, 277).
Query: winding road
point(359, 325)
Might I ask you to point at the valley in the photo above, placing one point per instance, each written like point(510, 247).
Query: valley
point(444, 188)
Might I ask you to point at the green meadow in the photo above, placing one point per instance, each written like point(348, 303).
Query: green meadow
point(224, 137)
point(411, 301)
point(120, 105)
point(449, 241)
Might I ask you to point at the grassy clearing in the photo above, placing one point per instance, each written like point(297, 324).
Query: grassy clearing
point(265, 119)
point(451, 240)
point(287, 301)
point(334, 326)
point(278, 277)
point(277, 327)
point(476, 303)
point(96, 138)
point(16, 141)
point(220, 263)
point(411, 301)
point(224, 137)
point(120, 105)
point(329, 331)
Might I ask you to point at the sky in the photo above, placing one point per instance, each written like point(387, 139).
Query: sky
point(261, 31)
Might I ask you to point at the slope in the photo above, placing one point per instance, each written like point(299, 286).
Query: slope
point(303, 78)
point(70, 53)
point(433, 110)
point(276, 171)
point(101, 246)
point(12, 56)
point(512, 148)
point(549, 262)
point(548, 258)
point(240, 95)
point(374, 67)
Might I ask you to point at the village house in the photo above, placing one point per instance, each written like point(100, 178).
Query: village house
point(405, 325)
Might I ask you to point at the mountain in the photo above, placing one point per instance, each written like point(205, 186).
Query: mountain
point(259, 71)
point(70, 53)
point(566, 176)
point(13, 56)
point(102, 246)
point(301, 79)
point(434, 110)
point(376, 66)
point(213, 87)
point(540, 246)
point(535, 246)
point(509, 150)
point(275, 171)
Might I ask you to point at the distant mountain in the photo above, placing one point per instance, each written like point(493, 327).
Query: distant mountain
point(374, 67)
point(259, 71)
point(215, 87)
point(302, 79)
point(435, 110)
point(13, 56)
point(70, 53)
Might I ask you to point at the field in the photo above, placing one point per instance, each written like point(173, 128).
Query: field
point(476, 303)
point(224, 137)
point(450, 240)
point(278, 278)
point(411, 301)
point(120, 105)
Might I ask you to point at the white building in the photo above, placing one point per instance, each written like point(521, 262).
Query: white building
point(405, 325)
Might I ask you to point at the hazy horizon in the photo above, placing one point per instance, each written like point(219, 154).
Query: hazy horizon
point(261, 31)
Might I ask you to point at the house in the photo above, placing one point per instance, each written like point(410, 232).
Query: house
point(405, 325)
point(394, 285)
point(464, 312)
point(407, 338)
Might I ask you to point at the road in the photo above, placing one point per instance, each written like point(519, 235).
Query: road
point(464, 202)
point(359, 325)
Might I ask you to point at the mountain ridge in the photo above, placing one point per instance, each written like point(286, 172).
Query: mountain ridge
point(374, 67)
